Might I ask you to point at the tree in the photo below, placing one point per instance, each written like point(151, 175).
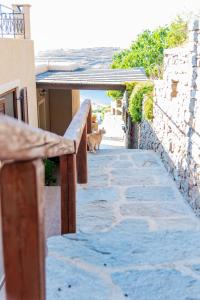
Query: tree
point(147, 50)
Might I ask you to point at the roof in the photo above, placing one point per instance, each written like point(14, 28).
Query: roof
point(91, 79)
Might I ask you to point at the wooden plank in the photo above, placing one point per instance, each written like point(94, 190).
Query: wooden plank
point(89, 120)
point(76, 127)
point(68, 193)
point(81, 159)
point(26, 142)
point(80, 86)
point(22, 206)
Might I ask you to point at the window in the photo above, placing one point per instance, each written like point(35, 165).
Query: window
point(8, 104)
point(174, 90)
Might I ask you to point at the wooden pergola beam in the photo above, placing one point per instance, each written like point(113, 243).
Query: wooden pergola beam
point(81, 86)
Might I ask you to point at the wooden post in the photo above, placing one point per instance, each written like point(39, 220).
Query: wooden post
point(68, 193)
point(89, 120)
point(81, 158)
point(22, 207)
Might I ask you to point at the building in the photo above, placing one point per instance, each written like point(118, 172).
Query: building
point(17, 75)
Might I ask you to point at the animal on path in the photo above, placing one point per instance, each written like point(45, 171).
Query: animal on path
point(94, 140)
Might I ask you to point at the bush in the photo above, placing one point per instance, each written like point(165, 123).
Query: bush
point(136, 100)
point(148, 108)
point(147, 50)
point(177, 34)
point(116, 95)
point(130, 87)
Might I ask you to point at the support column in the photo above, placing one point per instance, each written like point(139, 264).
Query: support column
point(22, 208)
point(81, 158)
point(68, 193)
point(89, 121)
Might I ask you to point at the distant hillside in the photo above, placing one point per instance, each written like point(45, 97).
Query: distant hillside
point(85, 58)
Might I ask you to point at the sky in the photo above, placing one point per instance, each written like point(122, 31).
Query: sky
point(97, 23)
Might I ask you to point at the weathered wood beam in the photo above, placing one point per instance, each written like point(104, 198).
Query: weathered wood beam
point(68, 193)
point(89, 121)
point(22, 208)
point(81, 86)
point(76, 127)
point(19, 141)
point(81, 159)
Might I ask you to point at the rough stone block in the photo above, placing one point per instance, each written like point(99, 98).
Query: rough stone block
point(151, 193)
point(159, 284)
point(194, 25)
point(153, 209)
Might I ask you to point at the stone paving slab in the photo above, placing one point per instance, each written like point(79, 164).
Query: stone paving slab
point(137, 238)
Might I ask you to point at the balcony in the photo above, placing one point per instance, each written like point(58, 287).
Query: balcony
point(15, 21)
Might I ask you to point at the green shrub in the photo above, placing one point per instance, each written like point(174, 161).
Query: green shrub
point(177, 34)
point(148, 108)
point(136, 100)
point(50, 167)
point(147, 50)
point(130, 87)
point(115, 95)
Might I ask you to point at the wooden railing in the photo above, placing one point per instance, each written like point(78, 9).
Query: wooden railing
point(22, 196)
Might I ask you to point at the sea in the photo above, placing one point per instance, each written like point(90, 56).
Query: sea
point(96, 96)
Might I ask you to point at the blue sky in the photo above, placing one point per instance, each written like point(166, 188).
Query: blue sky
point(93, 23)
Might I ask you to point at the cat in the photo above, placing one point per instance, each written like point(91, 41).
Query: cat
point(94, 140)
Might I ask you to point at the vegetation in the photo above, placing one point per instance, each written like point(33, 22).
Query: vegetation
point(135, 101)
point(115, 95)
point(50, 167)
point(147, 51)
point(177, 34)
point(102, 110)
point(148, 107)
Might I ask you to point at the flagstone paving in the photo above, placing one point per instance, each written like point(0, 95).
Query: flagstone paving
point(137, 238)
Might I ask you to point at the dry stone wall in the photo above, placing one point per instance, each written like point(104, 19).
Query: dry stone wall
point(175, 130)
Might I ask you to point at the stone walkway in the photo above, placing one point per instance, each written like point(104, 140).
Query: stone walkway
point(114, 135)
point(137, 238)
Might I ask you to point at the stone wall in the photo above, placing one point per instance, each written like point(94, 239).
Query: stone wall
point(175, 130)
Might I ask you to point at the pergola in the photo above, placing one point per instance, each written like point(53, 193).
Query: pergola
point(93, 79)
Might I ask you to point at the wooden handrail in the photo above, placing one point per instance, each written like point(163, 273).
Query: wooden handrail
point(22, 197)
point(74, 167)
point(75, 130)
point(19, 141)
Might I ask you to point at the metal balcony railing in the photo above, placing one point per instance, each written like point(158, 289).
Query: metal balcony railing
point(11, 22)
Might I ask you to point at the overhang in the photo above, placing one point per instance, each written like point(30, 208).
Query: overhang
point(93, 79)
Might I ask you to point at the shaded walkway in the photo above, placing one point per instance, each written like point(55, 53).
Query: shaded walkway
point(137, 238)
